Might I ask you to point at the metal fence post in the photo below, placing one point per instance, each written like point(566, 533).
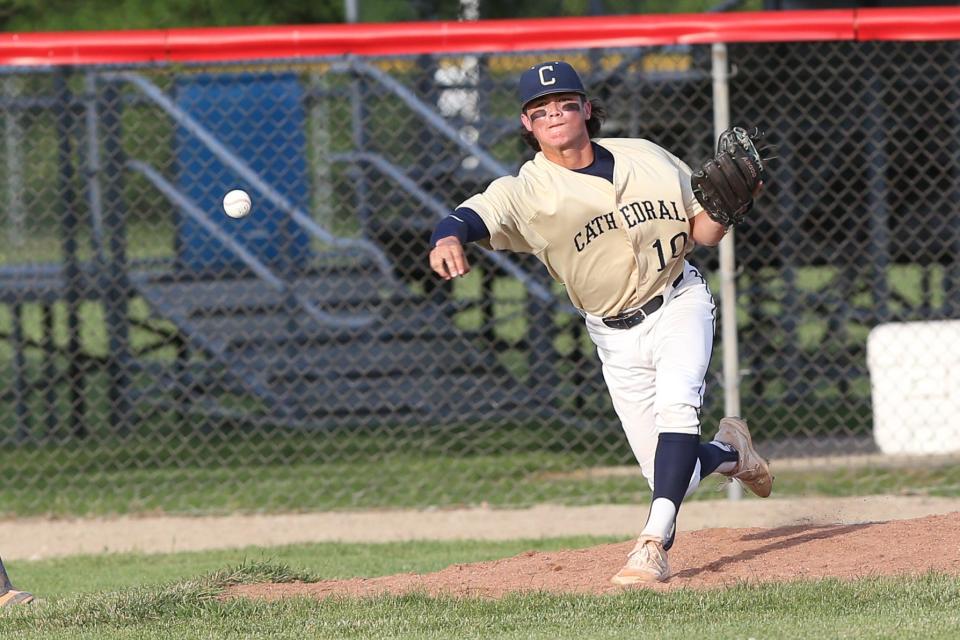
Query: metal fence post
point(108, 243)
point(21, 385)
point(48, 346)
point(117, 295)
point(728, 271)
point(72, 275)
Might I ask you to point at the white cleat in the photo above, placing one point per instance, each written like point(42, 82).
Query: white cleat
point(752, 469)
point(645, 564)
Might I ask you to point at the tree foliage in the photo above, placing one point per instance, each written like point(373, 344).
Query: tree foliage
point(67, 15)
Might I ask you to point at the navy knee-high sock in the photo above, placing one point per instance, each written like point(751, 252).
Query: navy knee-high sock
point(712, 457)
point(676, 458)
point(677, 455)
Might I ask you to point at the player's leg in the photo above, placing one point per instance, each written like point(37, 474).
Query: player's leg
point(682, 341)
point(629, 372)
point(630, 375)
point(683, 346)
point(633, 397)
point(8, 595)
point(713, 456)
point(629, 369)
point(719, 455)
point(731, 452)
point(685, 335)
point(631, 383)
point(716, 456)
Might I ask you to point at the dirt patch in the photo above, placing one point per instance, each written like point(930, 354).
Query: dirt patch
point(700, 559)
point(40, 538)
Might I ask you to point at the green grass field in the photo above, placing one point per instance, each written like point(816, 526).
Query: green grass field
point(225, 472)
point(174, 596)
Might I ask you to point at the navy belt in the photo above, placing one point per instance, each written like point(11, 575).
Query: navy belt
point(633, 318)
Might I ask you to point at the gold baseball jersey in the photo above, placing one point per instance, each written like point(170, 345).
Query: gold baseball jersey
point(613, 246)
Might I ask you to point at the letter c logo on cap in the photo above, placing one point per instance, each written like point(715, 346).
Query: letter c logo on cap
point(543, 79)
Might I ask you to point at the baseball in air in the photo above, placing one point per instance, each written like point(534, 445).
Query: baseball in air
point(237, 203)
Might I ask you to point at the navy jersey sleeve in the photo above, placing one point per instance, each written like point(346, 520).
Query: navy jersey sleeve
point(464, 224)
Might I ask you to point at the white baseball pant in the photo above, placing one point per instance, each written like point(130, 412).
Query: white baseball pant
point(655, 371)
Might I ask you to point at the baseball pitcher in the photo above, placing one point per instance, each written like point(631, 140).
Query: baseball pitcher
point(613, 220)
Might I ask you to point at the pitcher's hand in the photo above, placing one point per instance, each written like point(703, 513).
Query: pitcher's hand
point(448, 259)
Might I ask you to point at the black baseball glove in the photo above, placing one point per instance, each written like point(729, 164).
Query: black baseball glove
point(725, 185)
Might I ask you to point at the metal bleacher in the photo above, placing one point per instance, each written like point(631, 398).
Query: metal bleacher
point(259, 342)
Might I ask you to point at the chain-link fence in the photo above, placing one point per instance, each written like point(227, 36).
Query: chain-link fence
point(160, 355)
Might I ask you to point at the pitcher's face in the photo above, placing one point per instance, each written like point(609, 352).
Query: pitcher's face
point(557, 120)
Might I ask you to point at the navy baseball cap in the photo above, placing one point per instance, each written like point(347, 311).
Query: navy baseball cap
point(548, 77)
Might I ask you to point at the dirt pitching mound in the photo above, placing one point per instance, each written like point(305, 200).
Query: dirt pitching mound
point(700, 559)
